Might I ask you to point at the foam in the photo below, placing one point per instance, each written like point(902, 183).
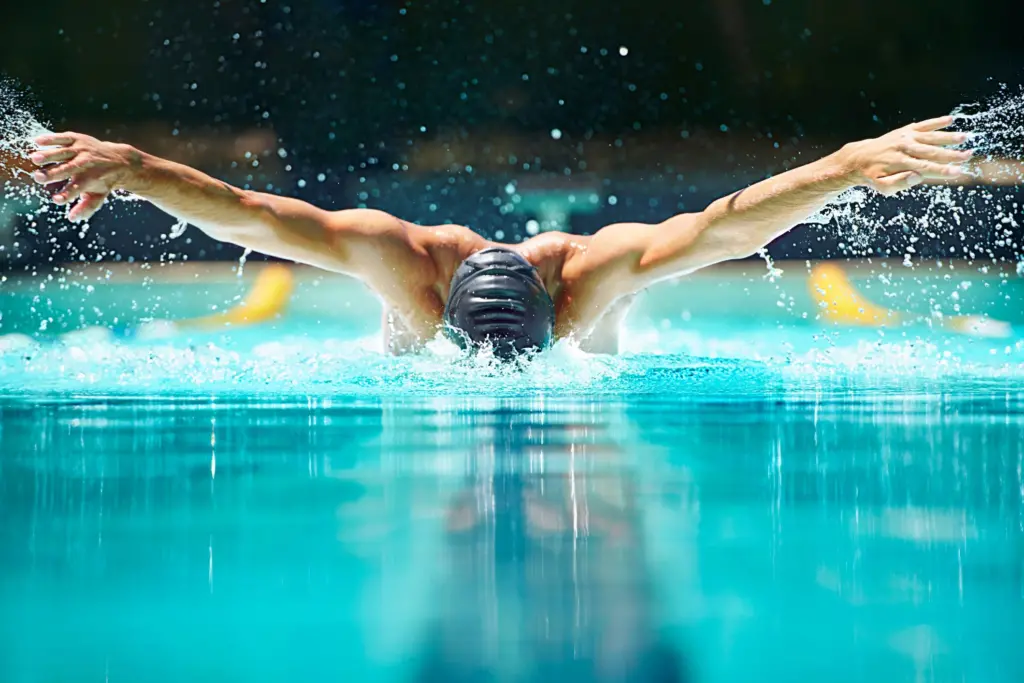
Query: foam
point(736, 363)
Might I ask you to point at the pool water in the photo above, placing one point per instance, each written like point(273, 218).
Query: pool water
point(731, 501)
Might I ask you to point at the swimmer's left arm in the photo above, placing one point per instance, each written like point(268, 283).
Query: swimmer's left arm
point(633, 256)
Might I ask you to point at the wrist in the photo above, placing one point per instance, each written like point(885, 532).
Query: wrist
point(131, 177)
point(843, 168)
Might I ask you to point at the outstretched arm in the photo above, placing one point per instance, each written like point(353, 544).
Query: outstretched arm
point(625, 258)
point(356, 241)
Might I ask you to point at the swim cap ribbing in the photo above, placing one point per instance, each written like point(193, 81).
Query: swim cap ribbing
point(497, 297)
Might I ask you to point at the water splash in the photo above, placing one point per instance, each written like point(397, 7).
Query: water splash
point(996, 125)
point(177, 230)
point(19, 126)
point(970, 222)
point(241, 262)
point(724, 365)
point(774, 272)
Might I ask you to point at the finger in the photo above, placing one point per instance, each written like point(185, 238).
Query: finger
point(53, 174)
point(942, 155)
point(55, 139)
point(90, 204)
point(930, 169)
point(932, 124)
point(898, 182)
point(943, 138)
point(53, 156)
point(68, 194)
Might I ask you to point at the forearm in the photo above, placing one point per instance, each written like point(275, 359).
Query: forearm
point(279, 226)
point(751, 218)
point(213, 206)
point(740, 224)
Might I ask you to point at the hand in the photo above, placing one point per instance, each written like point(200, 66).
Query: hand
point(906, 157)
point(91, 167)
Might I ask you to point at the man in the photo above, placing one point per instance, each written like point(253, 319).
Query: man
point(512, 297)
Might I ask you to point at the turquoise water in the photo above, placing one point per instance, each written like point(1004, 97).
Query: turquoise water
point(727, 501)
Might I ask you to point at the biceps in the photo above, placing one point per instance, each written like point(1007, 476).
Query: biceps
point(643, 253)
point(285, 228)
point(340, 241)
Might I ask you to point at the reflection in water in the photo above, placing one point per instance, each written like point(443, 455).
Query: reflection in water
point(543, 574)
point(519, 540)
point(887, 534)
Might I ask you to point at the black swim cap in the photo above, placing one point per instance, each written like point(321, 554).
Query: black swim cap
point(497, 297)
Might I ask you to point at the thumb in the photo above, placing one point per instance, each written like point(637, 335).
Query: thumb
point(897, 182)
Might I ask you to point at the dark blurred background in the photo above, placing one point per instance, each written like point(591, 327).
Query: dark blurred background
point(508, 117)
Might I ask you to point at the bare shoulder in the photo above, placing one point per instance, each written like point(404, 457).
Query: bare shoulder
point(382, 225)
point(447, 243)
point(549, 246)
point(549, 252)
point(368, 221)
point(610, 247)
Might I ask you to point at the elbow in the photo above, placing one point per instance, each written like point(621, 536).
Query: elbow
point(256, 214)
point(255, 206)
point(721, 239)
point(693, 243)
point(742, 249)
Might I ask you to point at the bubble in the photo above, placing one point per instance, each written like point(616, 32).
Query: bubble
point(532, 227)
point(556, 134)
point(623, 50)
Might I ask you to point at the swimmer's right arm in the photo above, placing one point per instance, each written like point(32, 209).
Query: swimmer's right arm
point(625, 258)
point(350, 241)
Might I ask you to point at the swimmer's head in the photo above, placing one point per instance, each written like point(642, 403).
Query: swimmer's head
point(498, 298)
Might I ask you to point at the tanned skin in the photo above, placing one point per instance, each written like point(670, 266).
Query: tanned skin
point(591, 279)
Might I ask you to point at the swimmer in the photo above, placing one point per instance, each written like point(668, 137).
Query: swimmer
point(513, 297)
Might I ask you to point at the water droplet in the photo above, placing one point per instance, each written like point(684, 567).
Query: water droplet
point(177, 230)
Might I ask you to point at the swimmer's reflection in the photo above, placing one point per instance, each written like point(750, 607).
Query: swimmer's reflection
point(544, 573)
